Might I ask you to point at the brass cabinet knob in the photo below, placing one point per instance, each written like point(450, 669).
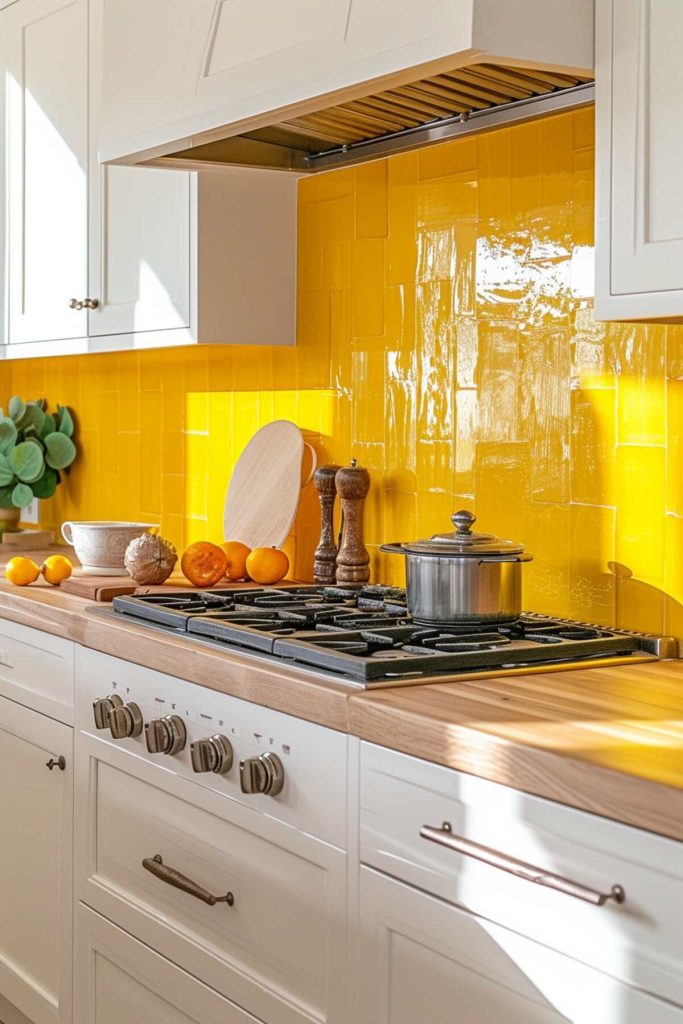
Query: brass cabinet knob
point(212, 755)
point(125, 721)
point(102, 707)
point(58, 762)
point(83, 303)
point(263, 774)
point(166, 735)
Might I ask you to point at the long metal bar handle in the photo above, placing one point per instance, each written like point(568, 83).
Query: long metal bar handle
point(444, 837)
point(172, 877)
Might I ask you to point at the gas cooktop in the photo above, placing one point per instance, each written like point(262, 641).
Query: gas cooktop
point(365, 635)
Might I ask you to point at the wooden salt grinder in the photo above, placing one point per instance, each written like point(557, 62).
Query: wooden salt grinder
point(325, 564)
point(353, 560)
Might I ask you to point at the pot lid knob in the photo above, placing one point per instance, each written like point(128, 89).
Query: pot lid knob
point(463, 521)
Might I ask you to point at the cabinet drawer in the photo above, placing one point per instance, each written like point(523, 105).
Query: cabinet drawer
point(278, 950)
point(37, 669)
point(314, 758)
point(639, 940)
point(119, 979)
point(423, 960)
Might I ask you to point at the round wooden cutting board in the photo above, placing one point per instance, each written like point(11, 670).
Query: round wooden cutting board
point(263, 496)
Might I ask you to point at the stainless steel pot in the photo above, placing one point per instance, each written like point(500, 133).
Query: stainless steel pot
point(463, 577)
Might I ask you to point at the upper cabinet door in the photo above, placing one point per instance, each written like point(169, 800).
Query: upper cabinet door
point(639, 154)
point(140, 224)
point(46, 88)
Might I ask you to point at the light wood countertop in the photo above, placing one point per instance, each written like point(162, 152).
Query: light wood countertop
point(607, 740)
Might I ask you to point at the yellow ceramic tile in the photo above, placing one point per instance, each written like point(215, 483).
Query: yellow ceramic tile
point(583, 128)
point(640, 509)
point(502, 487)
point(593, 446)
point(556, 160)
point(674, 450)
point(592, 582)
point(367, 288)
point(495, 173)
point(371, 200)
point(547, 578)
point(639, 605)
point(401, 244)
point(327, 185)
point(673, 557)
point(526, 167)
point(449, 158)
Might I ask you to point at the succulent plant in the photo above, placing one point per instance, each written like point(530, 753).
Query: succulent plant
point(35, 446)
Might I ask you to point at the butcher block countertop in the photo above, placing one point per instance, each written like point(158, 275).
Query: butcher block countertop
point(606, 740)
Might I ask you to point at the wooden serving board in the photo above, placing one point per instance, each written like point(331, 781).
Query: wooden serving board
point(98, 588)
point(263, 496)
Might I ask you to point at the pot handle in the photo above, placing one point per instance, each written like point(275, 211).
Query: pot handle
point(67, 534)
point(511, 558)
point(393, 549)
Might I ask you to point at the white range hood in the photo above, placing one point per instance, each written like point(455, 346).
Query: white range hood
point(304, 85)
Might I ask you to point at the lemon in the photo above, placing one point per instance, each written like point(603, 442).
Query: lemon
point(22, 571)
point(56, 568)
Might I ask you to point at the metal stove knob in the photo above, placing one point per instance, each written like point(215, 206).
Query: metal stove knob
point(125, 721)
point(102, 707)
point(166, 735)
point(212, 755)
point(263, 774)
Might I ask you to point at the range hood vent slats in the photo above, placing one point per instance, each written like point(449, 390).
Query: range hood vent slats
point(392, 120)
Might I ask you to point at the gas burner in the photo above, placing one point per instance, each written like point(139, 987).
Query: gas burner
point(364, 633)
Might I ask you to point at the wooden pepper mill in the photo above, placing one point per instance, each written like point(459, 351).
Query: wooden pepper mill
point(353, 560)
point(325, 564)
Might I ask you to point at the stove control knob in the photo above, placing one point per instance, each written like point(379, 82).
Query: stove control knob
point(264, 774)
point(166, 735)
point(125, 721)
point(212, 755)
point(102, 707)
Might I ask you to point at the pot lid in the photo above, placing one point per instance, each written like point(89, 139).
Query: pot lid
point(463, 541)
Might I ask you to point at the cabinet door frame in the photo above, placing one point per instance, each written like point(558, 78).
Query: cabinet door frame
point(123, 319)
point(566, 988)
point(51, 739)
point(622, 248)
point(25, 328)
point(95, 935)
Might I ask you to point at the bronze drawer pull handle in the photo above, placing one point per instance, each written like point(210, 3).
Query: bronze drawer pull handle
point(172, 877)
point(59, 762)
point(444, 837)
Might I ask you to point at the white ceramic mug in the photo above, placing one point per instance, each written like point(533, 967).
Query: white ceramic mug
point(100, 546)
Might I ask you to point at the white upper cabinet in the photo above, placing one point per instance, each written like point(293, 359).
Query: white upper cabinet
point(46, 86)
point(106, 257)
point(639, 243)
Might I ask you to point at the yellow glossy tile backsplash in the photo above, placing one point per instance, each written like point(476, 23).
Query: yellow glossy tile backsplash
point(447, 340)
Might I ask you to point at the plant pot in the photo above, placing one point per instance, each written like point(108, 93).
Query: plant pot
point(9, 520)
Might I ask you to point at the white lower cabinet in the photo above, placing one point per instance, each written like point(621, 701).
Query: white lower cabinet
point(36, 810)
point(118, 980)
point(423, 961)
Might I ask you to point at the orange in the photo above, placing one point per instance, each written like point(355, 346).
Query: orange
point(267, 565)
point(204, 563)
point(237, 554)
point(56, 568)
point(21, 571)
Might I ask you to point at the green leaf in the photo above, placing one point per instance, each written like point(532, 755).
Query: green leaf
point(22, 495)
point(33, 417)
point(6, 471)
point(66, 423)
point(60, 450)
point(47, 485)
point(32, 439)
point(17, 408)
point(8, 434)
point(49, 425)
point(27, 461)
point(6, 497)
